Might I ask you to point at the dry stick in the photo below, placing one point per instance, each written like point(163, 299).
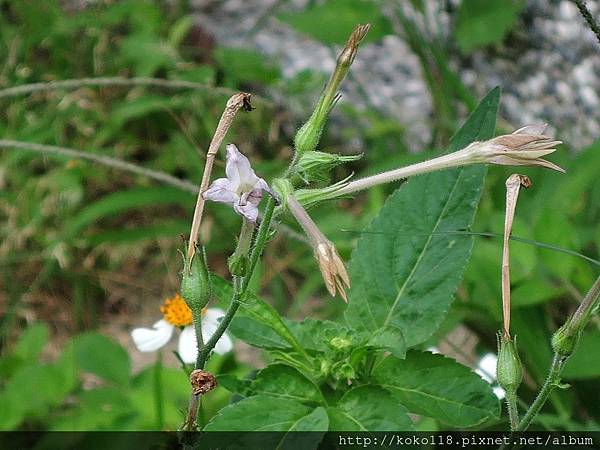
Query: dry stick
point(234, 104)
point(587, 15)
point(100, 159)
point(513, 184)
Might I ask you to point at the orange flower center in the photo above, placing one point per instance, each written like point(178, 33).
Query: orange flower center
point(176, 311)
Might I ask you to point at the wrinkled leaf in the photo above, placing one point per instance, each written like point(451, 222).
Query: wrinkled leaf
point(405, 269)
point(438, 387)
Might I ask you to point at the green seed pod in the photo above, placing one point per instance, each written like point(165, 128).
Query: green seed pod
point(195, 281)
point(308, 136)
point(238, 264)
point(508, 370)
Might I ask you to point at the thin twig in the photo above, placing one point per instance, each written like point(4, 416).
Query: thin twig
point(100, 159)
point(45, 86)
point(587, 15)
point(234, 104)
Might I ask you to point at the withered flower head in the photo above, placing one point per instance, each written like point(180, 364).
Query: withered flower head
point(333, 269)
point(524, 147)
point(331, 265)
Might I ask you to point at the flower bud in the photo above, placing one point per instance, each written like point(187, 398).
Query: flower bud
point(565, 340)
point(340, 344)
point(315, 166)
point(238, 264)
point(508, 370)
point(283, 188)
point(195, 281)
point(344, 371)
point(309, 134)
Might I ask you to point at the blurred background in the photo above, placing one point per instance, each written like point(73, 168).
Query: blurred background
point(88, 252)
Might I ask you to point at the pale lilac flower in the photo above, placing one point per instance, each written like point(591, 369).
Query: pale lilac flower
point(176, 314)
point(242, 188)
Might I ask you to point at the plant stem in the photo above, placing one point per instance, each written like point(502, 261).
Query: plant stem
point(197, 320)
point(587, 15)
point(234, 104)
point(551, 381)
point(26, 89)
point(513, 411)
point(241, 287)
point(455, 159)
point(101, 159)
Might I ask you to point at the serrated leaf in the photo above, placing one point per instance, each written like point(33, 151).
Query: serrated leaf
point(282, 381)
point(389, 338)
point(438, 387)
point(259, 413)
point(368, 408)
point(256, 315)
point(331, 22)
point(405, 269)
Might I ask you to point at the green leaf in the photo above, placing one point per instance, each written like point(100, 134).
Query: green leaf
point(438, 387)
point(282, 381)
point(485, 22)
point(405, 269)
point(332, 21)
point(95, 353)
point(259, 413)
point(391, 339)
point(368, 408)
point(122, 201)
point(259, 317)
point(31, 342)
point(314, 334)
point(585, 361)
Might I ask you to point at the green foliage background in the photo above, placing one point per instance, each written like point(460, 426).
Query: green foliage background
point(88, 252)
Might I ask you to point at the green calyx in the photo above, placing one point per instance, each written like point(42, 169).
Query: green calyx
point(315, 166)
point(565, 339)
point(195, 281)
point(509, 370)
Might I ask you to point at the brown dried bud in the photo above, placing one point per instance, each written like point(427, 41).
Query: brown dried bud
point(333, 269)
point(202, 382)
point(524, 147)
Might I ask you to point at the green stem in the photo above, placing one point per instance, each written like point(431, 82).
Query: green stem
point(197, 320)
point(513, 411)
point(241, 287)
point(552, 380)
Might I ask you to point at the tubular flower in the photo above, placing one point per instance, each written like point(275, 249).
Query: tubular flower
point(242, 189)
point(177, 314)
point(331, 265)
point(524, 147)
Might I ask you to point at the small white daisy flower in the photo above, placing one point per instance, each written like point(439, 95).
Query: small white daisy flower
point(177, 314)
point(242, 188)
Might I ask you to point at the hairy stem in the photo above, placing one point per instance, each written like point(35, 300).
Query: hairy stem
point(240, 288)
point(513, 411)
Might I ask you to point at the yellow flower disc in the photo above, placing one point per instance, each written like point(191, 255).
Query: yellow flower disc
point(176, 311)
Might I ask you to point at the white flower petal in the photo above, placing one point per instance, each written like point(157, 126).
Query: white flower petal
point(151, 339)
point(187, 345)
point(221, 190)
point(210, 322)
point(224, 345)
point(532, 129)
point(238, 168)
point(212, 315)
point(249, 211)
